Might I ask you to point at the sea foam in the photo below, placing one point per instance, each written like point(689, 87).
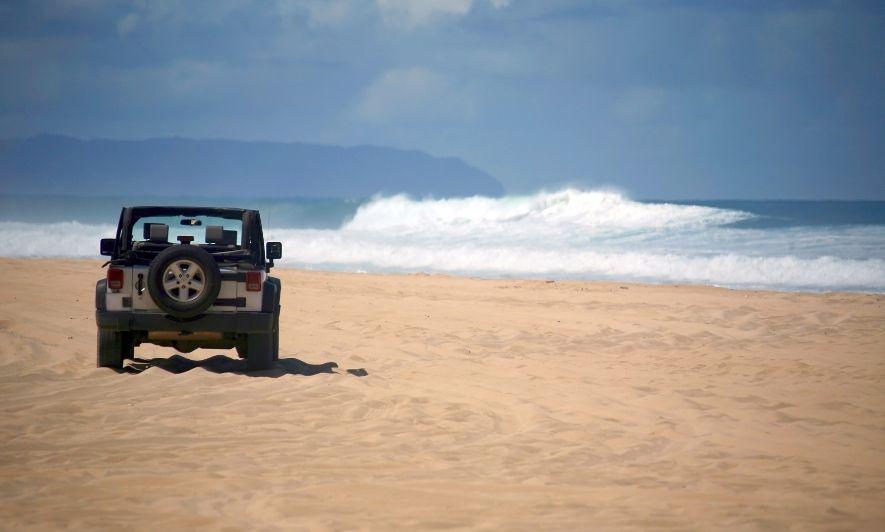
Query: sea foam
point(61, 239)
point(563, 234)
point(588, 235)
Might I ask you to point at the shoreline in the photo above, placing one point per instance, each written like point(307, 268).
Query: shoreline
point(541, 279)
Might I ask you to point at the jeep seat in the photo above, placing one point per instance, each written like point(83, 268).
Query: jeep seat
point(156, 238)
point(218, 237)
point(157, 233)
point(214, 234)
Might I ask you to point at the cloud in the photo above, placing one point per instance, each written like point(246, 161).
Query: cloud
point(318, 13)
point(126, 24)
point(413, 13)
point(407, 94)
point(330, 12)
point(406, 14)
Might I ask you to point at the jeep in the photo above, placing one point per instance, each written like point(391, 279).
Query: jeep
point(188, 278)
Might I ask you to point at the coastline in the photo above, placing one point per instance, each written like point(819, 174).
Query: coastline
point(548, 279)
point(414, 400)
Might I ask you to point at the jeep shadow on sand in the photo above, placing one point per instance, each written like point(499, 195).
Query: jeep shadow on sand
point(188, 278)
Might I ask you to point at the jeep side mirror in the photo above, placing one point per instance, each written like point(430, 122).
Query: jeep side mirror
point(273, 250)
point(107, 246)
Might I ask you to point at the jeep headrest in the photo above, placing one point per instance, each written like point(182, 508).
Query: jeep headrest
point(214, 234)
point(158, 233)
point(230, 237)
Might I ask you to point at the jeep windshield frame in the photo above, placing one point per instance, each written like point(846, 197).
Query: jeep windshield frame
point(250, 249)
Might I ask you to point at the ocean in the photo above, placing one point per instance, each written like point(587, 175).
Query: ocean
point(564, 234)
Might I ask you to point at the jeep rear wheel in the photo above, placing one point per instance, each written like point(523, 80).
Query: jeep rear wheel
point(110, 349)
point(184, 281)
point(260, 352)
point(128, 345)
point(242, 345)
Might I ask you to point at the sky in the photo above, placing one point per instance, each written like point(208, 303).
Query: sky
point(669, 99)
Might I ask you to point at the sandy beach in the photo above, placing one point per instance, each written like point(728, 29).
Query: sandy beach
point(418, 402)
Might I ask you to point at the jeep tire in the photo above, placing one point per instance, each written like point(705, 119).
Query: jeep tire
point(242, 345)
point(170, 276)
point(276, 331)
point(260, 351)
point(128, 345)
point(110, 349)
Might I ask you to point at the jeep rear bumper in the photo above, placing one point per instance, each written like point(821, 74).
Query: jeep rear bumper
point(234, 322)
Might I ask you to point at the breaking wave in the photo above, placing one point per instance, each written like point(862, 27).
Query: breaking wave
point(589, 212)
point(588, 235)
point(564, 234)
point(61, 239)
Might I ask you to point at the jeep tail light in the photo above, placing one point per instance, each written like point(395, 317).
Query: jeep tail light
point(115, 278)
point(253, 281)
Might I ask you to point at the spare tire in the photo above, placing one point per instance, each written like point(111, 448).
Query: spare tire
point(184, 280)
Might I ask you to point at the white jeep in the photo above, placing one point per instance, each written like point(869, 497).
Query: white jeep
point(188, 278)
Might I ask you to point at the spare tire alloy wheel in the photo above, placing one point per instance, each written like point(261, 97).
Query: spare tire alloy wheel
point(184, 280)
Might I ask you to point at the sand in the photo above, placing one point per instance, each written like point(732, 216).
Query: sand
point(419, 402)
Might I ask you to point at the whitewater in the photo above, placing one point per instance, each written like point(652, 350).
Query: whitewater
point(565, 234)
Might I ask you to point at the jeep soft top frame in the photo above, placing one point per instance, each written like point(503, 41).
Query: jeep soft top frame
point(252, 238)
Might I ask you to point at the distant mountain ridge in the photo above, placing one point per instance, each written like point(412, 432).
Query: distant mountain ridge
point(58, 164)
